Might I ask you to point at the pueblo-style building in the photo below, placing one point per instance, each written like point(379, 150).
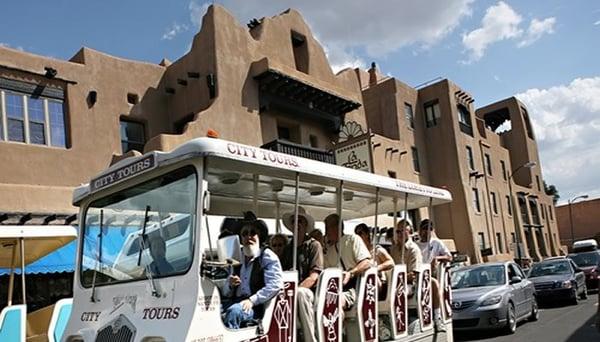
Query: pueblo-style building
point(270, 84)
point(579, 220)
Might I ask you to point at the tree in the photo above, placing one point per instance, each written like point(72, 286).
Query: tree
point(551, 190)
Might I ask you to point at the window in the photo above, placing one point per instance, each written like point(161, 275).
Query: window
point(543, 211)
point(415, 155)
point(494, 202)
point(534, 211)
point(550, 212)
point(464, 120)
point(408, 113)
point(499, 241)
point(488, 164)
point(537, 180)
point(432, 113)
point(503, 165)
point(132, 136)
point(300, 50)
point(470, 160)
point(15, 117)
point(476, 204)
point(32, 119)
point(513, 238)
point(288, 131)
point(481, 240)
point(509, 205)
point(314, 142)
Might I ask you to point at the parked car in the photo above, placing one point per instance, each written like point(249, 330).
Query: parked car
point(491, 296)
point(589, 262)
point(558, 278)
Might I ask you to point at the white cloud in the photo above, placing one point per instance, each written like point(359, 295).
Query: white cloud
point(173, 31)
point(566, 121)
point(499, 23)
point(345, 26)
point(597, 23)
point(6, 45)
point(537, 28)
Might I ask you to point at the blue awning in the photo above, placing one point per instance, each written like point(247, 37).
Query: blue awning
point(61, 260)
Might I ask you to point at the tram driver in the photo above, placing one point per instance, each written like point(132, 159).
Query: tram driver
point(349, 251)
point(159, 266)
point(258, 279)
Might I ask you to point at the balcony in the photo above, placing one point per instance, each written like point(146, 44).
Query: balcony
point(297, 150)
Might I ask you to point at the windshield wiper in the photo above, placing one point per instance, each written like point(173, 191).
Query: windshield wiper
point(99, 258)
point(142, 246)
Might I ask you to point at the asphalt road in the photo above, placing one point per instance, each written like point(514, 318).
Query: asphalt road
point(558, 322)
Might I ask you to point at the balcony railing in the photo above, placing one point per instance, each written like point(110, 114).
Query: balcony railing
point(293, 149)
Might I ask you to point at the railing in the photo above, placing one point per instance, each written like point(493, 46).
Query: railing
point(293, 149)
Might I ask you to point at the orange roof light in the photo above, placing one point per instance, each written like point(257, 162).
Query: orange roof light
point(211, 133)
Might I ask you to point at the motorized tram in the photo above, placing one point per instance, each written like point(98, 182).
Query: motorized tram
point(184, 198)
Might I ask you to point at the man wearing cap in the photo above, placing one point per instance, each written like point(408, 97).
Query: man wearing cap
point(310, 265)
point(349, 251)
point(433, 251)
point(254, 282)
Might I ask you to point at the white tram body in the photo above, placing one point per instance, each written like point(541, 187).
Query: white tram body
point(118, 295)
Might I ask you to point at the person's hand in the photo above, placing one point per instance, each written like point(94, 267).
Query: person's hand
point(346, 276)
point(246, 305)
point(234, 281)
point(434, 263)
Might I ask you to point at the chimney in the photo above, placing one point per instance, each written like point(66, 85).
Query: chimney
point(373, 74)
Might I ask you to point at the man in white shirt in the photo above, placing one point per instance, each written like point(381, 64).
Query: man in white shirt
point(350, 252)
point(433, 251)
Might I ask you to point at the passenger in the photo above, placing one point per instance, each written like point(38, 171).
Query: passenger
point(278, 244)
point(318, 235)
point(383, 259)
point(255, 281)
point(434, 252)
point(310, 265)
point(158, 250)
point(350, 252)
point(411, 257)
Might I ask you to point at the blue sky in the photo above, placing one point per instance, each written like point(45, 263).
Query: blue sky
point(545, 52)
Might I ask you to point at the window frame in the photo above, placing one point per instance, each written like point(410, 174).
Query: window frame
point(494, 203)
point(488, 164)
point(409, 115)
point(416, 161)
point(476, 200)
point(470, 158)
point(27, 120)
point(143, 142)
point(434, 119)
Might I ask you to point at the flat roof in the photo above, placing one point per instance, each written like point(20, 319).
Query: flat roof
point(418, 194)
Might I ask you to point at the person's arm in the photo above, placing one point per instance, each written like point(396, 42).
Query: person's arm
point(273, 278)
point(315, 255)
point(384, 260)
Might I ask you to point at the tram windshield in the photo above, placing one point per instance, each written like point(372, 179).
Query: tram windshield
point(140, 232)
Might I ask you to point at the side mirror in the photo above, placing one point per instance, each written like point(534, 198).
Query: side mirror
point(515, 280)
point(229, 247)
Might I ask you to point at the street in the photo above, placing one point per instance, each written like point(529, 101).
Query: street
point(558, 323)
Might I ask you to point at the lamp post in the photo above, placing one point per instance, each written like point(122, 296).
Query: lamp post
point(571, 216)
point(515, 210)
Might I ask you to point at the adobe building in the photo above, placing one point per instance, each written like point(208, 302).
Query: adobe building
point(269, 84)
point(579, 222)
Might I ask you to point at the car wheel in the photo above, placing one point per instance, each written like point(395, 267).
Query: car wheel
point(584, 293)
point(535, 312)
point(575, 297)
point(511, 319)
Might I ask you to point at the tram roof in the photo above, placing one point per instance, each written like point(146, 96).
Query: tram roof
point(259, 160)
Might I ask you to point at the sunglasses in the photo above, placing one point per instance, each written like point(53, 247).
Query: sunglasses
point(248, 232)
